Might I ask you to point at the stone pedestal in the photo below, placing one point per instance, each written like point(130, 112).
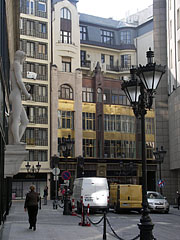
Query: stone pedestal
point(14, 156)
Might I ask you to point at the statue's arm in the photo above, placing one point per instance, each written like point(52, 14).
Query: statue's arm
point(18, 75)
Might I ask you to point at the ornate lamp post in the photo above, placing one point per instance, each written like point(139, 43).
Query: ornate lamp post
point(159, 156)
point(66, 146)
point(32, 169)
point(140, 91)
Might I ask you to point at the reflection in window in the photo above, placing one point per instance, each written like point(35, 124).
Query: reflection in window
point(30, 7)
point(65, 92)
point(88, 121)
point(65, 119)
point(65, 36)
point(125, 61)
point(83, 33)
point(89, 147)
point(65, 13)
point(107, 37)
point(87, 94)
point(42, 6)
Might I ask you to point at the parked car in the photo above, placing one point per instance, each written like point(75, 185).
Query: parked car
point(157, 202)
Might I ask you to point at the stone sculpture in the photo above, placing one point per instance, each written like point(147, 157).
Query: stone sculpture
point(18, 118)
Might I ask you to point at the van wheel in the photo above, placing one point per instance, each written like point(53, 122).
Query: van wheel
point(79, 208)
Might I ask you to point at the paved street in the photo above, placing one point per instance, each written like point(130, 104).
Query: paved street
point(53, 225)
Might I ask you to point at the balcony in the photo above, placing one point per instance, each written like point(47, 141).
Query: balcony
point(117, 68)
point(85, 64)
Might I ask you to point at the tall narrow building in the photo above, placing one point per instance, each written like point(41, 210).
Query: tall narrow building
point(35, 41)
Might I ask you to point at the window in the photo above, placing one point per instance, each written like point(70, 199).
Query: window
point(42, 6)
point(65, 119)
point(30, 113)
point(21, 23)
point(111, 60)
point(42, 28)
point(30, 27)
point(83, 58)
point(149, 125)
point(102, 58)
point(30, 67)
point(125, 37)
point(65, 92)
point(42, 112)
point(42, 48)
point(42, 91)
point(83, 33)
point(30, 49)
point(125, 61)
point(149, 149)
point(65, 13)
point(42, 69)
point(30, 7)
point(179, 50)
point(65, 37)
point(88, 121)
point(87, 94)
point(66, 66)
point(42, 156)
point(170, 29)
point(178, 18)
point(107, 37)
point(30, 136)
point(89, 147)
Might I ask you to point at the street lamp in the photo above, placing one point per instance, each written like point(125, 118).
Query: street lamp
point(159, 156)
point(66, 146)
point(140, 91)
point(32, 169)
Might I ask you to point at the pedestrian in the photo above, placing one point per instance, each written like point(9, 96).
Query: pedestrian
point(178, 200)
point(31, 205)
point(45, 195)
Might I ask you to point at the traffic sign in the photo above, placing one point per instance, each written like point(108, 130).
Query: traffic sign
point(56, 171)
point(161, 183)
point(66, 175)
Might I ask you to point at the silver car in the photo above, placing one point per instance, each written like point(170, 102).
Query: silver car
point(157, 203)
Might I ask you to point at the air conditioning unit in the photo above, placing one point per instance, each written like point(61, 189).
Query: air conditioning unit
point(31, 75)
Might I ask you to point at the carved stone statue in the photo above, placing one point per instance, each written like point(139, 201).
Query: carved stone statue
point(18, 118)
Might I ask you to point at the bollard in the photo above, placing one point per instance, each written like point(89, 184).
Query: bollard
point(87, 222)
point(104, 227)
point(82, 223)
point(40, 202)
point(73, 208)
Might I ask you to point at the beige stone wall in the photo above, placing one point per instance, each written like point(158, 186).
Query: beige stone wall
point(62, 49)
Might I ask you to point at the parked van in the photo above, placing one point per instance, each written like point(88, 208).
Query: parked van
point(125, 197)
point(91, 190)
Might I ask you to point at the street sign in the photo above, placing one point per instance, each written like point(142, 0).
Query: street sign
point(66, 182)
point(161, 183)
point(56, 178)
point(56, 171)
point(66, 175)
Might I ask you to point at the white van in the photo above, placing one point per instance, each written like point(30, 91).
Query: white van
point(91, 190)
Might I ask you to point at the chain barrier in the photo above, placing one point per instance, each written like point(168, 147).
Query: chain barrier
point(96, 222)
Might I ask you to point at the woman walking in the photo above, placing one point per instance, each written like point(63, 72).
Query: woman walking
point(31, 204)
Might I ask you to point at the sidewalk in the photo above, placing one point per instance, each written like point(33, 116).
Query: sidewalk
point(51, 225)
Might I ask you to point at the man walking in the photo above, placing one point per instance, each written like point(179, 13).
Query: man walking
point(45, 195)
point(31, 204)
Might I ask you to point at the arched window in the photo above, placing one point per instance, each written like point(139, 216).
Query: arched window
point(65, 92)
point(65, 13)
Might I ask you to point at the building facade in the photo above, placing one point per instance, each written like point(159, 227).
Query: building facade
point(91, 57)
point(9, 43)
point(35, 41)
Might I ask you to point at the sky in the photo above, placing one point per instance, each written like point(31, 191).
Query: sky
point(116, 9)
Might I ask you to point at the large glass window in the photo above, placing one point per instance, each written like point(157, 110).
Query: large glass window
point(42, 6)
point(119, 149)
point(30, 136)
point(149, 150)
point(65, 13)
point(125, 37)
point(30, 49)
point(88, 121)
point(125, 61)
point(87, 94)
point(89, 147)
point(30, 27)
point(65, 37)
point(149, 125)
point(65, 92)
point(107, 37)
point(42, 28)
point(66, 66)
point(119, 123)
point(83, 33)
point(30, 7)
point(65, 119)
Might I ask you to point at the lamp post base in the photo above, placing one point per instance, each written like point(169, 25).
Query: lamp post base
point(146, 227)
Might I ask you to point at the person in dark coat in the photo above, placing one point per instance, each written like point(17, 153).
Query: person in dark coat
point(178, 200)
point(45, 195)
point(31, 205)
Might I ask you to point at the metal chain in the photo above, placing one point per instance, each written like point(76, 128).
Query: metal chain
point(96, 222)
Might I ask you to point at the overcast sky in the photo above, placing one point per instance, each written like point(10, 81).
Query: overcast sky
point(116, 9)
